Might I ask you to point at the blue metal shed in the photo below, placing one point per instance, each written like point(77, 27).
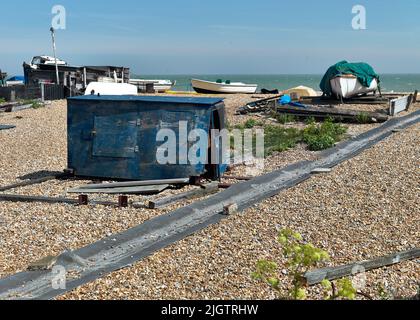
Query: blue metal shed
point(114, 137)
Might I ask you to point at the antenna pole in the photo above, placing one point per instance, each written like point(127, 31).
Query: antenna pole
point(55, 54)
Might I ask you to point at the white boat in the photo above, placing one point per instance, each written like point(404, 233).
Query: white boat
point(110, 89)
point(37, 60)
point(158, 85)
point(348, 86)
point(202, 86)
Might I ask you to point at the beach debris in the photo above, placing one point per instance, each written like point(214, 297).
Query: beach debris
point(266, 91)
point(317, 276)
point(136, 183)
point(51, 200)
point(204, 190)
point(6, 127)
point(332, 112)
point(301, 91)
point(144, 190)
point(34, 181)
point(399, 105)
point(44, 264)
point(321, 170)
point(259, 105)
point(230, 209)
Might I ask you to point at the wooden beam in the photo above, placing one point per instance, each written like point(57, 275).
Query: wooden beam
point(153, 189)
point(135, 184)
point(33, 182)
point(317, 276)
point(203, 191)
point(25, 198)
point(336, 113)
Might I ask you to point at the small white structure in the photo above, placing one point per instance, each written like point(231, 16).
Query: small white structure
point(348, 86)
point(158, 85)
point(110, 89)
point(202, 86)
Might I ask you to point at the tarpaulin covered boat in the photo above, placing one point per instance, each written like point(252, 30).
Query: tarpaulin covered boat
point(347, 80)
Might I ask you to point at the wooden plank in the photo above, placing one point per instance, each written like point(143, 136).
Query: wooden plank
point(33, 182)
point(25, 198)
point(165, 202)
point(6, 127)
point(135, 184)
point(123, 190)
point(317, 276)
point(237, 178)
point(399, 105)
point(331, 112)
point(415, 96)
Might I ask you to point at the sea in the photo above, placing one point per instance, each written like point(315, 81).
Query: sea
point(389, 82)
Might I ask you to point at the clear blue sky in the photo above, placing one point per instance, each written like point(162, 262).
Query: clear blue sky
point(215, 37)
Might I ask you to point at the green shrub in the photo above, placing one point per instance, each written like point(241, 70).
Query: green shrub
point(300, 258)
point(363, 117)
point(323, 136)
point(279, 139)
point(284, 118)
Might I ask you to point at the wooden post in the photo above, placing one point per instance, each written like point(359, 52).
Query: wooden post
point(317, 276)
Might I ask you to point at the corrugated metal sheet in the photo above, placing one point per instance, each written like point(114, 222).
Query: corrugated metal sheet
point(114, 137)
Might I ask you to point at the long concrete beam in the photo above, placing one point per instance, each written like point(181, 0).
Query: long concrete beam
point(125, 249)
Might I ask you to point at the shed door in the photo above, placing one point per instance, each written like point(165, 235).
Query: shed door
point(116, 136)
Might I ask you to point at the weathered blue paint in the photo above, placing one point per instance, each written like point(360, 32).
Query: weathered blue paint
point(114, 137)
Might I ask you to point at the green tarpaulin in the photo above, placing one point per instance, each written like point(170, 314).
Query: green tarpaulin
point(363, 71)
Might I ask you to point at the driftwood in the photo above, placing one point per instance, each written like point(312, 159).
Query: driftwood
point(332, 112)
point(33, 182)
point(165, 202)
point(25, 198)
point(317, 276)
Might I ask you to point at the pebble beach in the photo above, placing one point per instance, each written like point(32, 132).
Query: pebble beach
point(365, 208)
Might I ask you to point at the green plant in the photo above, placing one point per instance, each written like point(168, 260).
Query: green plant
point(284, 118)
point(323, 136)
point(35, 104)
point(300, 258)
point(310, 120)
point(279, 139)
point(363, 117)
point(249, 124)
point(2, 100)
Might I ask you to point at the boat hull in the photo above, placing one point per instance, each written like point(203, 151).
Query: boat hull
point(207, 87)
point(349, 87)
point(158, 85)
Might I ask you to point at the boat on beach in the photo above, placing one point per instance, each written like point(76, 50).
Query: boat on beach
point(203, 86)
point(346, 80)
point(158, 85)
point(348, 86)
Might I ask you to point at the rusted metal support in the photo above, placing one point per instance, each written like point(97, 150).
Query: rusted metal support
point(83, 200)
point(122, 201)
